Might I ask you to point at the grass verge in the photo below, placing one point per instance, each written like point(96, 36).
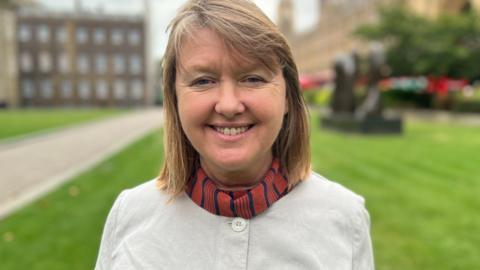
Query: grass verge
point(21, 122)
point(63, 229)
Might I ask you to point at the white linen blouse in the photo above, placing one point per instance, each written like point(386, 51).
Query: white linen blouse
point(318, 225)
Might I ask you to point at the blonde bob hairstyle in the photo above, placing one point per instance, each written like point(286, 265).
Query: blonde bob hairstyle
point(247, 32)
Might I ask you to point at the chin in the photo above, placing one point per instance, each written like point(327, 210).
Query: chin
point(232, 164)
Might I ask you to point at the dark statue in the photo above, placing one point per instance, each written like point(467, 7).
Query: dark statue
point(346, 70)
point(368, 117)
point(372, 105)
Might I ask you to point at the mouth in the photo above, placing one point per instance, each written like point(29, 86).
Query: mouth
point(231, 131)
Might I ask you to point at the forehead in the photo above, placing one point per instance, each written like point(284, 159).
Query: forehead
point(205, 47)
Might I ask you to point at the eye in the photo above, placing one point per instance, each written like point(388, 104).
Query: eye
point(253, 80)
point(202, 82)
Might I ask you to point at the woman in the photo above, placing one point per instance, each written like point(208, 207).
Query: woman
point(235, 191)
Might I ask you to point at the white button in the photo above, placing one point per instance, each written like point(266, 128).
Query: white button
point(239, 224)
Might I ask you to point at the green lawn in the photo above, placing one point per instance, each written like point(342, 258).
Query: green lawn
point(21, 122)
point(421, 189)
point(62, 230)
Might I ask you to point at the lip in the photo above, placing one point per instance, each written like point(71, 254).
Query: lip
point(231, 138)
point(231, 125)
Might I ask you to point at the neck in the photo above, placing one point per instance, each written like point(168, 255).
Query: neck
point(236, 180)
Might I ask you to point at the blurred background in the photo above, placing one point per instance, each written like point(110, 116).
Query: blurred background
point(393, 89)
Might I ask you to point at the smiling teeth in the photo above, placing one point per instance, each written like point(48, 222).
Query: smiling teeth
point(231, 131)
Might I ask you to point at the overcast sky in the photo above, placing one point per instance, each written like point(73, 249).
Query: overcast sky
point(162, 12)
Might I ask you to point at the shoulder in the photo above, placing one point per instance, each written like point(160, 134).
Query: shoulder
point(140, 202)
point(325, 204)
point(324, 193)
point(144, 194)
point(318, 198)
point(335, 204)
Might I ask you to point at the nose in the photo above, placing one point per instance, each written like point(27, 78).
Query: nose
point(228, 103)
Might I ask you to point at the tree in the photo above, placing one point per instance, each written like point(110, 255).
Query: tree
point(447, 46)
point(5, 3)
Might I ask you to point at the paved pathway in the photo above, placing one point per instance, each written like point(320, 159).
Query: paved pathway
point(435, 116)
point(472, 119)
point(34, 166)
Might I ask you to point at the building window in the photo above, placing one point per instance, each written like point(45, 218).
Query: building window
point(99, 36)
point(135, 64)
point(82, 35)
point(137, 89)
point(134, 37)
point(84, 89)
point(26, 62)
point(101, 89)
point(43, 33)
point(61, 34)
point(28, 89)
point(24, 33)
point(66, 89)
point(119, 64)
point(63, 63)
point(101, 64)
point(45, 61)
point(83, 63)
point(117, 37)
point(120, 90)
point(46, 89)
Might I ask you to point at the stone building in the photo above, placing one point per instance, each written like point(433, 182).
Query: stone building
point(8, 69)
point(80, 59)
point(315, 49)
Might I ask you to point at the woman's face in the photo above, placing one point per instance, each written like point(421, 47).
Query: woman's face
point(231, 108)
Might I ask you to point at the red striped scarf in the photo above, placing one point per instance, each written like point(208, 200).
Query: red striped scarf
point(245, 203)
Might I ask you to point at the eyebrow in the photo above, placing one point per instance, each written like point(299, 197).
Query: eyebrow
point(204, 68)
point(211, 68)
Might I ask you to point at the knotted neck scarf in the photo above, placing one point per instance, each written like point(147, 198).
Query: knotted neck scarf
point(244, 203)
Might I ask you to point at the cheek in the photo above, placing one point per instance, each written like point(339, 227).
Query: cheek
point(192, 110)
point(269, 107)
point(184, 111)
